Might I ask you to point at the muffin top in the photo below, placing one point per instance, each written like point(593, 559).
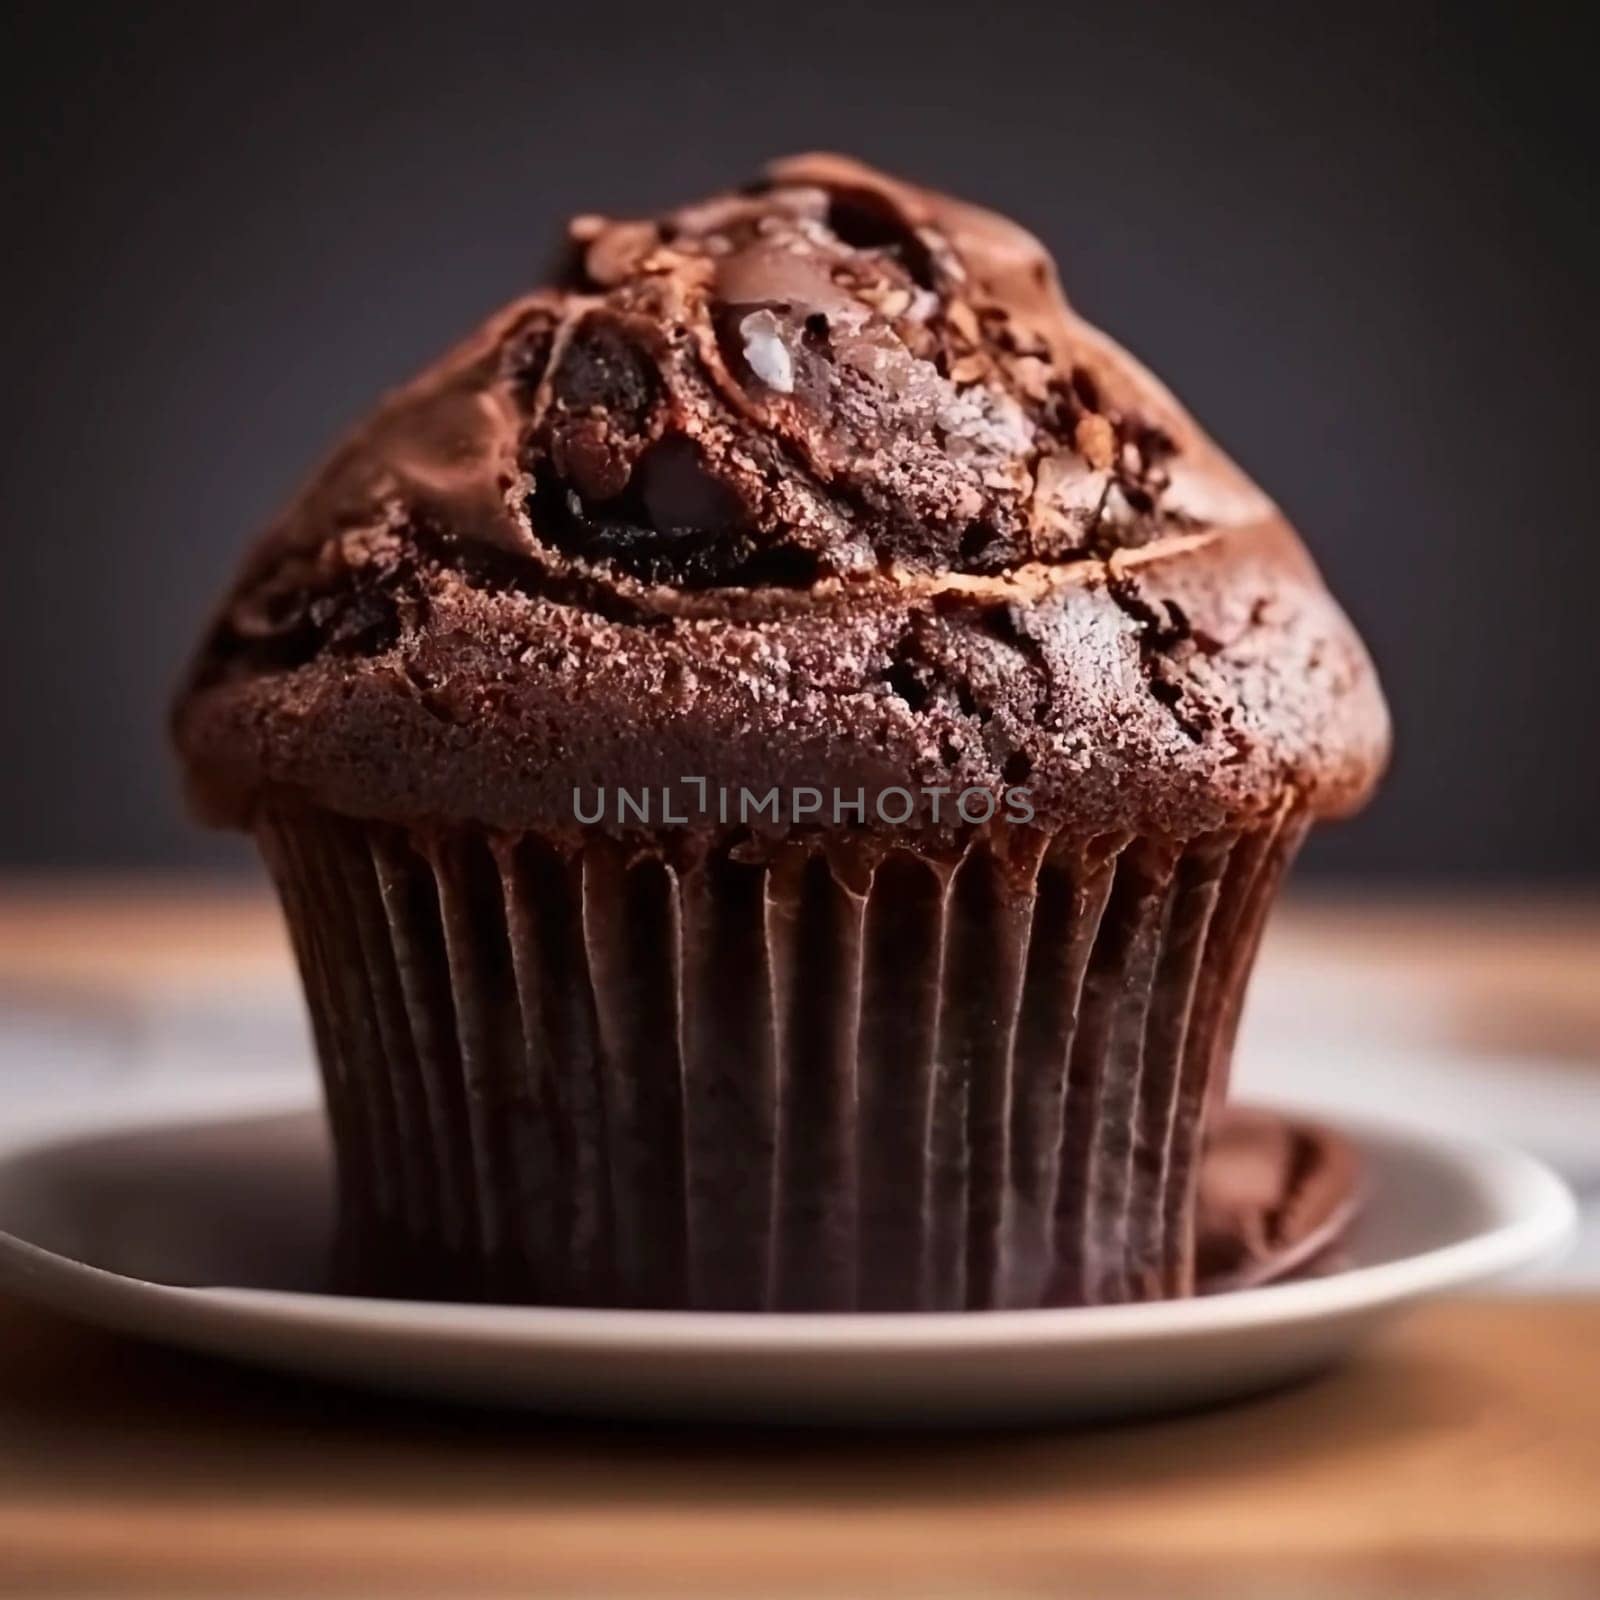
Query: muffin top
point(821, 483)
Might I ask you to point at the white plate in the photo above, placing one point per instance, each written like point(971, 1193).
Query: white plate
point(106, 1220)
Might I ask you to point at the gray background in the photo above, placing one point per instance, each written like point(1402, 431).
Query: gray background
point(1361, 245)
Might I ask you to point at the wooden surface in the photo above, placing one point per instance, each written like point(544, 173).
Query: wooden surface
point(1459, 1456)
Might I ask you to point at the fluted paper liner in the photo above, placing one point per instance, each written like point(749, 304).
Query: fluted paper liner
point(814, 1076)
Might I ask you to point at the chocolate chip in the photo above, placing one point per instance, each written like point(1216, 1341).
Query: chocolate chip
point(602, 371)
point(675, 522)
point(679, 494)
point(864, 220)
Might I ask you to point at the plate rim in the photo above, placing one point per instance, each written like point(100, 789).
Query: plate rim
point(1537, 1208)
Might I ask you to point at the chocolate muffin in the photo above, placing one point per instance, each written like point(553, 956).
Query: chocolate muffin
point(776, 753)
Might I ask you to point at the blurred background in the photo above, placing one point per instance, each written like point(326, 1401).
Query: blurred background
point(1360, 247)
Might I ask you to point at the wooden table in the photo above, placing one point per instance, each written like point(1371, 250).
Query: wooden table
point(1459, 1456)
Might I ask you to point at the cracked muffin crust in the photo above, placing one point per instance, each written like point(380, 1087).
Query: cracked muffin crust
point(820, 481)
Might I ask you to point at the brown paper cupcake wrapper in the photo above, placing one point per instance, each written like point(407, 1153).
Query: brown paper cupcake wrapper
point(825, 1078)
